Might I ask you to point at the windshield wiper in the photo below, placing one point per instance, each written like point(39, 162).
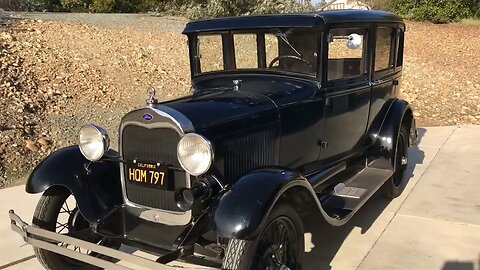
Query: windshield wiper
point(283, 36)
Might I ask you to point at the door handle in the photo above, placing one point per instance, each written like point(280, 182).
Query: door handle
point(374, 83)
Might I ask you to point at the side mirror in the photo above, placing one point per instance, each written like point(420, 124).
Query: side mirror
point(354, 41)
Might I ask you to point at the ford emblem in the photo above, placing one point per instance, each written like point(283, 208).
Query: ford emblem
point(147, 117)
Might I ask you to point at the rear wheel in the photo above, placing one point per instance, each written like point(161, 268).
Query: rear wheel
point(280, 245)
point(396, 184)
point(58, 212)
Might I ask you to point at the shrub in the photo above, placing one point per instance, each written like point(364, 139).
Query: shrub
point(14, 5)
point(436, 11)
point(75, 5)
point(108, 6)
point(103, 6)
point(280, 6)
point(443, 11)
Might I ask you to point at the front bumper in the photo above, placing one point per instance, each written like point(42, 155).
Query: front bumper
point(49, 241)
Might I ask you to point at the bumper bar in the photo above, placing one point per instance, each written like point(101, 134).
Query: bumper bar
point(49, 241)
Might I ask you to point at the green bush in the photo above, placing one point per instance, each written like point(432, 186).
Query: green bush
point(201, 9)
point(443, 11)
point(103, 6)
point(76, 5)
point(13, 5)
point(436, 11)
point(280, 6)
point(48, 5)
point(122, 6)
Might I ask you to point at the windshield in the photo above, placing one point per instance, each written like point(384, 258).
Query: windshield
point(292, 50)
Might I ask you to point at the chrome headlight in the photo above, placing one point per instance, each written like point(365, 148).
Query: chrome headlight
point(93, 142)
point(195, 154)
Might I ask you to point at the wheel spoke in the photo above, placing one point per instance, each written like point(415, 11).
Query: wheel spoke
point(74, 226)
point(65, 209)
point(66, 205)
point(277, 246)
point(63, 228)
point(60, 225)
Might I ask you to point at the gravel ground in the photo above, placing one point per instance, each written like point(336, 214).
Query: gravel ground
point(60, 71)
point(138, 22)
point(57, 76)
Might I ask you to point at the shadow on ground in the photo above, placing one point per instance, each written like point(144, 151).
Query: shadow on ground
point(328, 240)
point(461, 265)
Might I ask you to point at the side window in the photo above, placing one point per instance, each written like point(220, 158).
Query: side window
point(347, 53)
point(401, 39)
point(245, 50)
point(385, 48)
point(210, 51)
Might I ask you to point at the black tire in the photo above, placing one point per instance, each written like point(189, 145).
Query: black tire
point(46, 216)
point(246, 255)
point(397, 183)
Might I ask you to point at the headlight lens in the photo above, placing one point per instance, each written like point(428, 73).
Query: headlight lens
point(195, 154)
point(93, 142)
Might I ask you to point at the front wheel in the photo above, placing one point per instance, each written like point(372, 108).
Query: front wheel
point(58, 212)
point(280, 245)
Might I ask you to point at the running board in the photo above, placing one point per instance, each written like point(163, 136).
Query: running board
point(352, 194)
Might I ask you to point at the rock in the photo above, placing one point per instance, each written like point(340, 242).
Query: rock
point(30, 145)
point(28, 131)
point(43, 141)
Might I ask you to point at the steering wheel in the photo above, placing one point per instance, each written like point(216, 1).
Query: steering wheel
point(276, 59)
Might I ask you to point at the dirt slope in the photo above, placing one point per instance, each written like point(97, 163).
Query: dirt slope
point(56, 76)
point(442, 73)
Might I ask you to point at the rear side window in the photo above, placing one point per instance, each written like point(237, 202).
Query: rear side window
point(401, 40)
point(347, 53)
point(385, 48)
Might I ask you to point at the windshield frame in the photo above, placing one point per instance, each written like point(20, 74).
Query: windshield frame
point(228, 52)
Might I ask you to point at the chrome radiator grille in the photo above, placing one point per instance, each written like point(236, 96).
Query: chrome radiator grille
point(152, 145)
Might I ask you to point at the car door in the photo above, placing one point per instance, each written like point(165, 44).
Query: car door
point(387, 69)
point(347, 89)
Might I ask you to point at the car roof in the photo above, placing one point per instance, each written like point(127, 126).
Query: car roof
point(312, 19)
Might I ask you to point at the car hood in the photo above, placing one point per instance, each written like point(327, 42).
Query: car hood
point(215, 112)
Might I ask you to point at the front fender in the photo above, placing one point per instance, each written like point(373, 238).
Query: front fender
point(242, 210)
point(96, 191)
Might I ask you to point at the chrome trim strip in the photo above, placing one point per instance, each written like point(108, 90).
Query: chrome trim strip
point(177, 117)
point(182, 125)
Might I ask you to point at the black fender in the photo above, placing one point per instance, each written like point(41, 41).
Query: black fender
point(97, 189)
point(242, 210)
point(384, 138)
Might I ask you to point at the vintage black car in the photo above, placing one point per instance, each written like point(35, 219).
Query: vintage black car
point(289, 115)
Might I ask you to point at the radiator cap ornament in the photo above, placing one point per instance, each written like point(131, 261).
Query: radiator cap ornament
point(151, 96)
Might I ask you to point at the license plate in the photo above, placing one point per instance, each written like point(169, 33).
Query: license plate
point(153, 175)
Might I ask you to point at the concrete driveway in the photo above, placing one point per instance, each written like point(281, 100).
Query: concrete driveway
point(435, 224)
